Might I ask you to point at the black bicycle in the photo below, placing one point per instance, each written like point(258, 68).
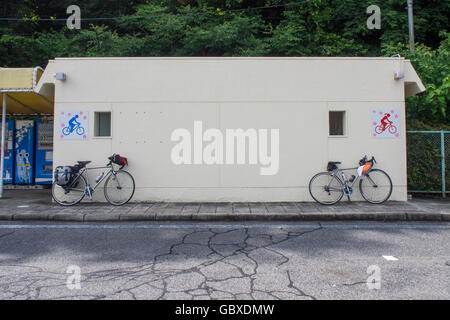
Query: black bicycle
point(71, 184)
point(329, 187)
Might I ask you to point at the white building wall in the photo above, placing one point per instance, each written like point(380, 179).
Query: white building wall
point(151, 97)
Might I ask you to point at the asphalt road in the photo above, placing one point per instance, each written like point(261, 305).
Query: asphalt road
point(224, 261)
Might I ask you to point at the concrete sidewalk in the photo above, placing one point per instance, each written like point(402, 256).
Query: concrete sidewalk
point(36, 205)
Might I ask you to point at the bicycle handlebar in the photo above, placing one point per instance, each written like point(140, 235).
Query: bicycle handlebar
point(364, 160)
point(111, 162)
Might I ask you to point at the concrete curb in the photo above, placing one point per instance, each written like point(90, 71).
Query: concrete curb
point(92, 216)
point(35, 206)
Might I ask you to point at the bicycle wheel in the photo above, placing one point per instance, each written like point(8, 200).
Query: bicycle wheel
point(392, 129)
point(376, 186)
point(70, 195)
point(80, 131)
point(66, 131)
point(326, 188)
point(119, 188)
point(379, 129)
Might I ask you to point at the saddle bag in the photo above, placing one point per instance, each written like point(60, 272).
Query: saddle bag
point(331, 166)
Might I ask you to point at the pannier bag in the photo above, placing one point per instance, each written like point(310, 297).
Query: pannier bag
point(121, 161)
point(64, 175)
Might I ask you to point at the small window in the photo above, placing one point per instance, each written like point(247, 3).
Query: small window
point(337, 123)
point(102, 125)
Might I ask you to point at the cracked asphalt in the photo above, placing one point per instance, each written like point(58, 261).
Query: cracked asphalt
point(224, 260)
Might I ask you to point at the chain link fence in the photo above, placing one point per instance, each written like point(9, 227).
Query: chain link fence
point(428, 162)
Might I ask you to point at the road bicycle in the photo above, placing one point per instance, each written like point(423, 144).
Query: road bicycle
point(118, 188)
point(329, 187)
point(77, 128)
point(390, 127)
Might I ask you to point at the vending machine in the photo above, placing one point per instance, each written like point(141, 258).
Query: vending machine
point(24, 152)
point(8, 169)
point(44, 152)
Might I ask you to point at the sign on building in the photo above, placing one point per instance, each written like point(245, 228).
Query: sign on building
point(73, 125)
point(385, 123)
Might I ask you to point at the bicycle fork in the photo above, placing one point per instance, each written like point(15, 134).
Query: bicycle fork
point(114, 177)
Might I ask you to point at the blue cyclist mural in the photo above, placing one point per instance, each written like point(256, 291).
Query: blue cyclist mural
point(73, 125)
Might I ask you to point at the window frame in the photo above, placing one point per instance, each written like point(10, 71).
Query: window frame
point(344, 123)
point(96, 120)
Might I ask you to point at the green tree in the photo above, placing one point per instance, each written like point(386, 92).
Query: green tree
point(433, 66)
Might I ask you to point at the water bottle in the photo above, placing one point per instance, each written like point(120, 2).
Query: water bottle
point(99, 177)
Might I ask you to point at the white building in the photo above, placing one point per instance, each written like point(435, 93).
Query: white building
point(314, 109)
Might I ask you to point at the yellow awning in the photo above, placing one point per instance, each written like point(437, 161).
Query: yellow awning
point(18, 84)
point(19, 78)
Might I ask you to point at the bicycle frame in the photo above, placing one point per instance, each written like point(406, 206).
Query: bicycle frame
point(89, 189)
point(347, 185)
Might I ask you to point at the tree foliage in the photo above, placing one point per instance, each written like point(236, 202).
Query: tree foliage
point(238, 28)
point(433, 66)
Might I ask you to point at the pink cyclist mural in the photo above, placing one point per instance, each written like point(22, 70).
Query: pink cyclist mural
point(385, 123)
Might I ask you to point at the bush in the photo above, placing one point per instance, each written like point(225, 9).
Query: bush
point(424, 162)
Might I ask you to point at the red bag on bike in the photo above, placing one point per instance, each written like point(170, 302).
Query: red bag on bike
point(118, 159)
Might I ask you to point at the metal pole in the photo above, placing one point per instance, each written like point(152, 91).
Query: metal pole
point(443, 163)
point(410, 24)
point(2, 162)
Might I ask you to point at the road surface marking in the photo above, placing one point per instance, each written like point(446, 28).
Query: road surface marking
point(390, 258)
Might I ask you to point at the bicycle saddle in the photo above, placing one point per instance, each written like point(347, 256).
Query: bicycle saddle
point(334, 162)
point(83, 163)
